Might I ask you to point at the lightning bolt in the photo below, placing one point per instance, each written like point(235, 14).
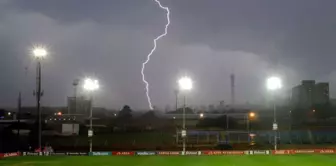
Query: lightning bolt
point(152, 51)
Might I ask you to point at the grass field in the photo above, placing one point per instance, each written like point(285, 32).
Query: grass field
point(305, 160)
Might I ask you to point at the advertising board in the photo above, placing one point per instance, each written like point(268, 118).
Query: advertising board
point(145, 153)
point(100, 153)
point(168, 153)
point(213, 153)
point(123, 153)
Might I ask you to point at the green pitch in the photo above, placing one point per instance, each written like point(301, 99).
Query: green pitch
point(304, 160)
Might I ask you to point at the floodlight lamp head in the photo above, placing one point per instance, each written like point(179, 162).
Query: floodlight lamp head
point(40, 52)
point(185, 84)
point(90, 84)
point(273, 83)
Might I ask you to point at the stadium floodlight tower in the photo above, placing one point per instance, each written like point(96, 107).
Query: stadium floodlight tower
point(185, 85)
point(274, 84)
point(90, 85)
point(39, 53)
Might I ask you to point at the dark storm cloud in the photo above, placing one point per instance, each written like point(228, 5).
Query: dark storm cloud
point(301, 28)
point(208, 39)
point(79, 49)
point(141, 13)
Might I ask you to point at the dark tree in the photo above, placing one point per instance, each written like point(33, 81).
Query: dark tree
point(125, 113)
point(2, 113)
point(124, 117)
point(149, 115)
point(148, 120)
point(187, 111)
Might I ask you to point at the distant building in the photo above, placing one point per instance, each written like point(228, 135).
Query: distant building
point(309, 93)
point(321, 93)
point(79, 105)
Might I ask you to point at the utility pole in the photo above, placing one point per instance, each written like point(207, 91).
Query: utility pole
point(176, 99)
point(75, 84)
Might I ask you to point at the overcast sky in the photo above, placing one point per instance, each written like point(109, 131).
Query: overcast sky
point(207, 39)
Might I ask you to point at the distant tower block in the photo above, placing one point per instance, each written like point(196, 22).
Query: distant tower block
point(232, 78)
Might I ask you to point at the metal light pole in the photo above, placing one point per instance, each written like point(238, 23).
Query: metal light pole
point(274, 84)
point(38, 100)
point(290, 119)
point(275, 125)
point(18, 116)
point(227, 121)
point(248, 127)
point(39, 54)
point(185, 84)
point(184, 125)
point(251, 116)
point(90, 85)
